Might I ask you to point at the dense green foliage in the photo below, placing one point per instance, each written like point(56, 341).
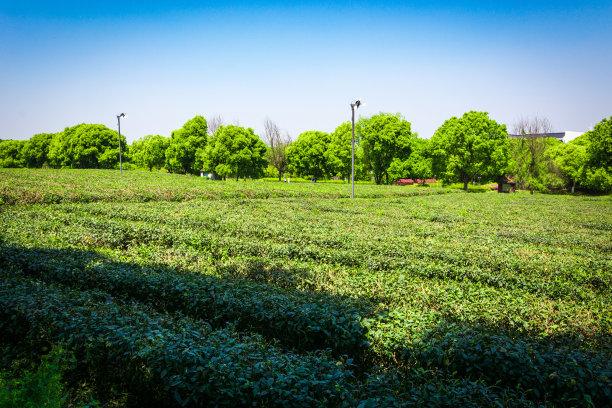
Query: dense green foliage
point(186, 147)
point(417, 166)
point(473, 148)
point(86, 146)
point(287, 294)
point(234, 151)
point(36, 150)
point(340, 156)
point(11, 153)
point(599, 157)
point(37, 388)
point(384, 138)
point(470, 147)
point(309, 155)
point(149, 152)
point(25, 186)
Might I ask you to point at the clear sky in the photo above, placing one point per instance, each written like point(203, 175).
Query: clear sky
point(300, 63)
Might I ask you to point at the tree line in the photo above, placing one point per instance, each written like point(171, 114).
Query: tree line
point(470, 148)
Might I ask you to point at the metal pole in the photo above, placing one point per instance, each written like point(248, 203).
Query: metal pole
point(119, 127)
point(353, 151)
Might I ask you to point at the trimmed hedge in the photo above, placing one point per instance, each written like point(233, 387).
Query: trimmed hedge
point(165, 361)
point(299, 320)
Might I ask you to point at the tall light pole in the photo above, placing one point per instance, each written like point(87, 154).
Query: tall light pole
point(354, 105)
point(119, 128)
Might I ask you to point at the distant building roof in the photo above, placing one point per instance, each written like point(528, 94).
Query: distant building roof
point(562, 136)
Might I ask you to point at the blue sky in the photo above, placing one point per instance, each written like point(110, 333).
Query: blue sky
point(300, 64)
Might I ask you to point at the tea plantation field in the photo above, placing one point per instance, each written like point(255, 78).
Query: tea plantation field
point(178, 291)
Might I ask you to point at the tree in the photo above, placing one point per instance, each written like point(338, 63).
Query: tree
point(277, 147)
point(340, 150)
point(186, 147)
point(417, 166)
point(235, 151)
point(529, 152)
point(599, 156)
point(309, 154)
point(36, 150)
point(384, 137)
point(469, 147)
point(149, 151)
point(10, 153)
point(572, 159)
point(86, 146)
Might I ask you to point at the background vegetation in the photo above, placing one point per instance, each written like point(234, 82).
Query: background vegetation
point(471, 149)
point(178, 291)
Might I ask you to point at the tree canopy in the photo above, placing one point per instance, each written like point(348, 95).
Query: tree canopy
point(469, 147)
point(186, 147)
point(340, 150)
point(234, 151)
point(11, 153)
point(309, 154)
point(382, 138)
point(86, 146)
point(417, 166)
point(599, 157)
point(36, 150)
point(149, 151)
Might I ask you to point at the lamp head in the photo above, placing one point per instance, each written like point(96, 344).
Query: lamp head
point(357, 103)
point(123, 115)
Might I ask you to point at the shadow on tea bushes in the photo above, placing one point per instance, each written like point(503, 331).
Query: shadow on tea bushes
point(300, 320)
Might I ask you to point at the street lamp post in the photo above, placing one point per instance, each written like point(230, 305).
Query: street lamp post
point(119, 128)
point(354, 105)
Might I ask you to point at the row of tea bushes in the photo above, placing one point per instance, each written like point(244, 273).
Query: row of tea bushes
point(556, 373)
point(546, 370)
point(51, 186)
point(298, 320)
point(161, 360)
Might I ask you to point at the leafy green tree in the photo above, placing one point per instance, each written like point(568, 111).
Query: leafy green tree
point(340, 151)
point(469, 147)
point(235, 151)
point(417, 166)
point(149, 151)
point(186, 147)
point(309, 154)
point(36, 150)
point(382, 138)
point(572, 159)
point(531, 155)
point(599, 156)
point(86, 146)
point(11, 153)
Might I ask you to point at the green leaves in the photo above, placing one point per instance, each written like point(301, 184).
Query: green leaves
point(469, 147)
point(185, 147)
point(288, 294)
point(309, 155)
point(235, 152)
point(383, 138)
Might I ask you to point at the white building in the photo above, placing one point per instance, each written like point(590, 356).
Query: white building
point(562, 136)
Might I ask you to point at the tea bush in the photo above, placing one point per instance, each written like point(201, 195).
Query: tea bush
point(423, 299)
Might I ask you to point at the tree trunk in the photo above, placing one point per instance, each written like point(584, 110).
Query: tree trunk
point(465, 185)
point(573, 186)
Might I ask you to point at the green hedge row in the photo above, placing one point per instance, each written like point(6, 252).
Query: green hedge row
point(544, 370)
point(164, 361)
point(299, 320)
point(157, 360)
